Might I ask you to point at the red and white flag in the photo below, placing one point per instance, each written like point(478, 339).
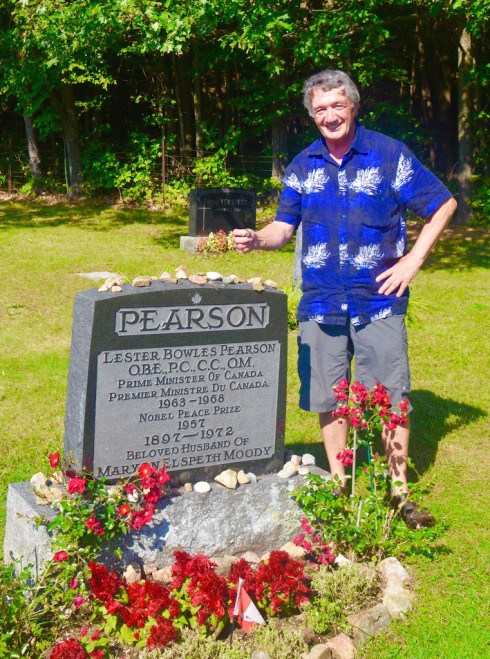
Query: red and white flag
point(245, 611)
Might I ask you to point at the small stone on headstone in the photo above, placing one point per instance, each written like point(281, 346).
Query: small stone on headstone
point(288, 470)
point(57, 476)
point(255, 280)
point(242, 477)
point(303, 471)
point(224, 566)
point(214, 276)
point(228, 478)
point(202, 487)
point(119, 281)
point(308, 459)
point(188, 487)
point(38, 481)
point(56, 493)
point(251, 476)
point(293, 550)
point(164, 575)
point(166, 275)
point(270, 283)
point(295, 459)
point(141, 282)
point(103, 289)
point(198, 279)
point(116, 289)
point(251, 557)
point(110, 281)
point(230, 279)
point(132, 573)
point(149, 569)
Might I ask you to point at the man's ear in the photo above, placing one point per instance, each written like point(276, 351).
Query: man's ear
point(356, 109)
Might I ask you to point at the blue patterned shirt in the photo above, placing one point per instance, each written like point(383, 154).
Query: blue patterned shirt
point(353, 219)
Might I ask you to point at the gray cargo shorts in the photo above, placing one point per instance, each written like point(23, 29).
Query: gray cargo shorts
point(325, 353)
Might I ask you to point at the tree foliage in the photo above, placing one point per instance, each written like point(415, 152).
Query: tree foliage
point(214, 77)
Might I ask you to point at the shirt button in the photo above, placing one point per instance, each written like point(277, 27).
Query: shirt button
point(344, 217)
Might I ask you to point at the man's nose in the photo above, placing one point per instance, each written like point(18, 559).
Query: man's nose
point(330, 114)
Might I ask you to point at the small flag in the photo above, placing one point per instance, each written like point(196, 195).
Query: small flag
point(245, 611)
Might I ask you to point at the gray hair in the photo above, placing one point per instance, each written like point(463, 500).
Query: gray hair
point(327, 80)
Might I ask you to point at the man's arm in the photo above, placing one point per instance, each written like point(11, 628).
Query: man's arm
point(274, 236)
point(401, 274)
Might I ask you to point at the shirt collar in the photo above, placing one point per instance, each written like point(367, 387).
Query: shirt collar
point(359, 144)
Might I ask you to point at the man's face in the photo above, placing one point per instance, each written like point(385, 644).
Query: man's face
point(334, 114)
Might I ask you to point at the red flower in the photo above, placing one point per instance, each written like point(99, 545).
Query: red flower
point(104, 584)
point(145, 471)
point(404, 405)
point(346, 457)
point(96, 634)
point(241, 570)
point(84, 631)
point(162, 476)
point(97, 654)
point(73, 583)
point(281, 581)
point(69, 649)
point(124, 510)
point(76, 484)
point(94, 525)
point(78, 601)
point(60, 556)
point(306, 526)
point(54, 459)
point(161, 633)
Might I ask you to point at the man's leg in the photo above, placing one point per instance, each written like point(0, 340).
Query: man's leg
point(334, 433)
point(395, 443)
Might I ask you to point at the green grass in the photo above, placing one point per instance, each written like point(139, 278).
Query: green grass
point(43, 247)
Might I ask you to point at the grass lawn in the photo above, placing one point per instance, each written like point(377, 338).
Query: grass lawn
point(43, 247)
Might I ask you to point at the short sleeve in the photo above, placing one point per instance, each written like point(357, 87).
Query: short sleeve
point(416, 187)
point(289, 207)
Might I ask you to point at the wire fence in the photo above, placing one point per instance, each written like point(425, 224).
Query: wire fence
point(15, 173)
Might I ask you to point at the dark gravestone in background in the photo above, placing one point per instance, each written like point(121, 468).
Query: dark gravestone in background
point(213, 209)
point(193, 376)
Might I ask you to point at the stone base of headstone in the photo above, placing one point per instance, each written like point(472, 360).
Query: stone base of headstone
point(259, 516)
point(190, 243)
point(23, 540)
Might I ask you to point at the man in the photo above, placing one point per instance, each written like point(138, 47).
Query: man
point(350, 190)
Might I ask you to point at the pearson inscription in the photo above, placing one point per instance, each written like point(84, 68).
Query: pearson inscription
point(185, 406)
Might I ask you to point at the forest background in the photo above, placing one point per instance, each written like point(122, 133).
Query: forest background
point(148, 98)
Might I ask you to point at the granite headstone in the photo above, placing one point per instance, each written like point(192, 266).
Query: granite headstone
point(212, 209)
point(191, 376)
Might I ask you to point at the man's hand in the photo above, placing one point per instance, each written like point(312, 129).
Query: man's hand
point(400, 275)
point(245, 240)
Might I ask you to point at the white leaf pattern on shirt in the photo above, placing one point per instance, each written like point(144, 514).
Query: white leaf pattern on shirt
point(383, 313)
point(343, 253)
point(367, 257)
point(367, 181)
point(343, 183)
point(400, 247)
point(404, 173)
point(292, 181)
point(314, 182)
point(317, 256)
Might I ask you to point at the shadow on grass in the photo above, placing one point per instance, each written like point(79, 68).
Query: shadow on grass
point(433, 418)
point(99, 217)
point(459, 248)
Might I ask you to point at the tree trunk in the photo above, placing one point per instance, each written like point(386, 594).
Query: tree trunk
point(279, 146)
point(64, 104)
point(465, 162)
point(196, 97)
point(34, 157)
point(183, 97)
